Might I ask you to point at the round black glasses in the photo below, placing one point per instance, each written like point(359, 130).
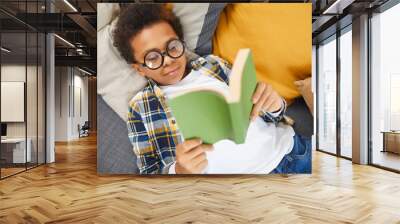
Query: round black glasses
point(155, 59)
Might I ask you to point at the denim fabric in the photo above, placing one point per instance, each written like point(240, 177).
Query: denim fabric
point(299, 159)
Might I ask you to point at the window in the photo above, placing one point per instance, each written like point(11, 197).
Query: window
point(327, 95)
point(346, 92)
point(385, 88)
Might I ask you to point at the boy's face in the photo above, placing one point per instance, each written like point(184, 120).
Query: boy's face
point(156, 37)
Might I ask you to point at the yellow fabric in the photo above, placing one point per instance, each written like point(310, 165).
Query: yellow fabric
point(279, 36)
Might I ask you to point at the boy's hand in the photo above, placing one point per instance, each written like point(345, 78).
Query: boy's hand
point(191, 157)
point(265, 98)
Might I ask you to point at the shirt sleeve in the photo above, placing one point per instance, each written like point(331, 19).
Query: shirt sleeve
point(278, 112)
point(171, 169)
point(147, 160)
point(275, 116)
point(224, 65)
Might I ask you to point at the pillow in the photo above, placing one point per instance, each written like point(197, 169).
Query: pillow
point(304, 87)
point(199, 21)
point(117, 81)
point(279, 36)
point(108, 12)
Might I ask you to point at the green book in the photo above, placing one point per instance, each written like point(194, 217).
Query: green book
point(212, 115)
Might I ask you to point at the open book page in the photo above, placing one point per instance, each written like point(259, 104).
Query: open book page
point(211, 113)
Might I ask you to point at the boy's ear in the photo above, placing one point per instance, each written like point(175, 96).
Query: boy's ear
point(139, 69)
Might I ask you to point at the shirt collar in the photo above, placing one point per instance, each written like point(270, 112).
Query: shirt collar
point(155, 88)
point(198, 63)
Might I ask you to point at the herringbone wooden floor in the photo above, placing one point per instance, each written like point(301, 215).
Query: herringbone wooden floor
point(70, 191)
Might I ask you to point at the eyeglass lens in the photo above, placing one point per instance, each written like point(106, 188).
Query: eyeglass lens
point(155, 59)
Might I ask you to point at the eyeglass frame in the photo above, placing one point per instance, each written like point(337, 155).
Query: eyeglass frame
point(163, 54)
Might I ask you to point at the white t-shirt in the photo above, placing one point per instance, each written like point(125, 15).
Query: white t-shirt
point(265, 145)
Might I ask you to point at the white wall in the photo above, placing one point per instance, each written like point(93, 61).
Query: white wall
point(12, 73)
point(80, 115)
point(33, 127)
point(61, 103)
point(70, 83)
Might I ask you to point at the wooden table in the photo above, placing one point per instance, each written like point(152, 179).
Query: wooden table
point(391, 141)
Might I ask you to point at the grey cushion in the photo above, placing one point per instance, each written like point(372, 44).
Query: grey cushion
point(114, 151)
point(303, 119)
point(204, 42)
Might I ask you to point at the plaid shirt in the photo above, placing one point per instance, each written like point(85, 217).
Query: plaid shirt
point(152, 128)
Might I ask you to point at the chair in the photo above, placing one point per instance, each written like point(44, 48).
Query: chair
point(84, 130)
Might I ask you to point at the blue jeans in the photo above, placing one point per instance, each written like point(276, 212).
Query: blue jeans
point(299, 159)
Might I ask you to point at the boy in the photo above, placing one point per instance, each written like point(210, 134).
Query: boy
point(150, 38)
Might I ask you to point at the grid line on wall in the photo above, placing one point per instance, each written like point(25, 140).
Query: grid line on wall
point(28, 31)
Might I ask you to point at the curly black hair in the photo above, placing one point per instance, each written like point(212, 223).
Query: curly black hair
point(136, 17)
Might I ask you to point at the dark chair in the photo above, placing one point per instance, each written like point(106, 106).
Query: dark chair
point(84, 130)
